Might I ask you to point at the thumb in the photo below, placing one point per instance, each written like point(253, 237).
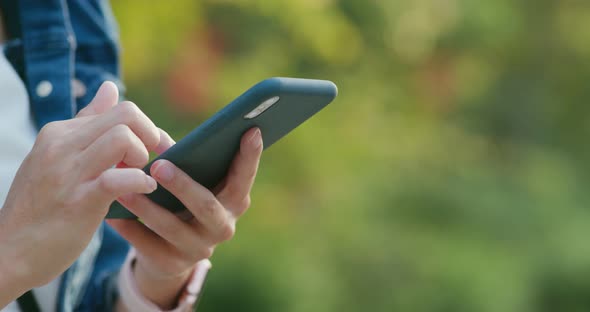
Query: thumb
point(106, 97)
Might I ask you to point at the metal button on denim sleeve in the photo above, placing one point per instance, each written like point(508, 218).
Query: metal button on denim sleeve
point(44, 88)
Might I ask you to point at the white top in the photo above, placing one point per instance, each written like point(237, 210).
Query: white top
point(17, 136)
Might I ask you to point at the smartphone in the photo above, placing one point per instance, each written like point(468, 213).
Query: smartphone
point(275, 105)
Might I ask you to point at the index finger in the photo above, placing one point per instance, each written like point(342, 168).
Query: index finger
point(126, 113)
point(106, 97)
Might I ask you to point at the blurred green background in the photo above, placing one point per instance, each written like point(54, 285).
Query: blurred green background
point(449, 175)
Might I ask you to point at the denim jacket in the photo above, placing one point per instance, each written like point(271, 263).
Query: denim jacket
point(63, 50)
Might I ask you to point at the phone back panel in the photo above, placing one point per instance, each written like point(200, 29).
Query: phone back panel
point(207, 152)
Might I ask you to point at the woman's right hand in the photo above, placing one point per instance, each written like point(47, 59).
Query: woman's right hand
point(65, 185)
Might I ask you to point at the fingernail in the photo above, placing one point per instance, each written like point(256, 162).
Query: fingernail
point(255, 139)
point(164, 172)
point(152, 184)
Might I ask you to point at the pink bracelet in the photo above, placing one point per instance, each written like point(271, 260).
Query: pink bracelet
point(134, 301)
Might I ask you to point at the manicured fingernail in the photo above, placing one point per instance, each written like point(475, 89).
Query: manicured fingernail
point(255, 139)
point(152, 184)
point(163, 171)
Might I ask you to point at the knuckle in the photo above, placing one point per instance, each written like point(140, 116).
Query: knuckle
point(50, 153)
point(129, 111)
point(242, 206)
point(209, 207)
point(132, 115)
point(105, 184)
point(143, 157)
point(228, 230)
point(50, 126)
point(122, 135)
point(246, 203)
point(124, 140)
point(49, 131)
point(122, 130)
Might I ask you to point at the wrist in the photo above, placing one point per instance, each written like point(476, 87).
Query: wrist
point(15, 271)
point(153, 276)
point(163, 290)
point(131, 298)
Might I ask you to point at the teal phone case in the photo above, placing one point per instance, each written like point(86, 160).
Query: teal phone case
point(207, 152)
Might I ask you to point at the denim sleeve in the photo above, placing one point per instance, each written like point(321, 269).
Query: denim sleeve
point(101, 293)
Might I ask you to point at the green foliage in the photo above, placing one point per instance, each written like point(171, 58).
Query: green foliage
point(449, 175)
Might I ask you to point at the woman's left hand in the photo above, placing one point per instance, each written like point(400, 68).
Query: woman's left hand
point(168, 248)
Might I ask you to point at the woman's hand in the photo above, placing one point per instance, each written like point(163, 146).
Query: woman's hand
point(168, 248)
point(64, 187)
